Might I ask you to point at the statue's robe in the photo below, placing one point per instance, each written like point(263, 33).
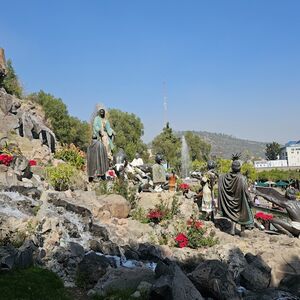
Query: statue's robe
point(97, 160)
point(233, 198)
point(103, 131)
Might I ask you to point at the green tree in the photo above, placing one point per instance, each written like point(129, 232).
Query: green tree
point(198, 148)
point(67, 129)
point(11, 82)
point(249, 171)
point(272, 151)
point(129, 131)
point(223, 165)
point(168, 144)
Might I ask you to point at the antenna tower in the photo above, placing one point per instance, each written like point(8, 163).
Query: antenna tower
point(165, 103)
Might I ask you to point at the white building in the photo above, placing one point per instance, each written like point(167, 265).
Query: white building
point(270, 163)
point(291, 153)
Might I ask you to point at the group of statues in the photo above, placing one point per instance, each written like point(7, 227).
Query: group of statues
point(234, 200)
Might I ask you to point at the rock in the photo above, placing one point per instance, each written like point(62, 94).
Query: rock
point(24, 257)
point(256, 275)
point(149, 252)
point(17, 258)
point(291, 283)
point(122, 279)
point(173, 284)
point(105, 247)
point(212, 278)
point(7, 257)
point(117, 205)
point(270, 294)
point(91, 269)
point(99, 231)
point(76, 250)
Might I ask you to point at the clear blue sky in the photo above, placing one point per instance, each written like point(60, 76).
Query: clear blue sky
point(230, 66)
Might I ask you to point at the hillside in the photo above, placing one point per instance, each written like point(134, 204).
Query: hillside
point(223, 145)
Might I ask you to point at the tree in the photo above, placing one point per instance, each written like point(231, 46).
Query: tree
point(223, 165)
point(249, 171)
point(198, 148)
point(11, 82)
point(66, 128)
point(272, 151)
point(129, 131)
point(168, 144)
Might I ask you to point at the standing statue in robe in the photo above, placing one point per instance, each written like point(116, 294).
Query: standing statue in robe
point(208, 182)
point(233, 197)
point(100, 150)
point(103, 131)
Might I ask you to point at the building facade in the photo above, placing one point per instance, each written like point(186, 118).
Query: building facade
point(291, 153)
point(279, 163)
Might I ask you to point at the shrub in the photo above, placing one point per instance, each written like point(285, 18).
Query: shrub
point(61, 177)
point(72, 155)
point(195, 236)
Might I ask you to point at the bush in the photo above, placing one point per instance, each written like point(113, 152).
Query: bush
point(61, 177)
point(72, 155)
point(31, 284)
point(67, 129)
point(11, 82)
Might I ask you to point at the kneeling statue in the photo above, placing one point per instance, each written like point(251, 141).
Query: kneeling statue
point(292, 206)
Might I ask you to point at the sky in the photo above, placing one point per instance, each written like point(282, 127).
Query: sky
point(229, 66)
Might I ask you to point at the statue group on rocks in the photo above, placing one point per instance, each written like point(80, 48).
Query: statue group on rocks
point(233, 200)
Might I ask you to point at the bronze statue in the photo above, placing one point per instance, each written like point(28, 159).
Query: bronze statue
point(233, 197)
point(208, 181)
point(288, 202)
point(159, 174)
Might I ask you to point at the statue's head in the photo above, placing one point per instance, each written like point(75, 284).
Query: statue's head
point(158, 158)
point(102, 113)
point(211, 165)
point(137, 155)
point(236, 163)
point(290, 193)
point(236, 166)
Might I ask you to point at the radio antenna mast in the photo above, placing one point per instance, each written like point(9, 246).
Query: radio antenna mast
point(165, 103)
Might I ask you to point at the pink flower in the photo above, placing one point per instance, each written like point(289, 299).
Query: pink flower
point(184, 186)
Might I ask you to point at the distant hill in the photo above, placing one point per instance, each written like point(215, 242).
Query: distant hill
point(224, 145)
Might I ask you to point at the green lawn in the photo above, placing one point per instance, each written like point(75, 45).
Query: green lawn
point(31, 284)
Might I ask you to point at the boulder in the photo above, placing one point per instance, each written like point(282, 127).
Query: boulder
point(173, 284)
point(91, 269)
point(291, 283)
point(270, 294)
point(257, 274)
point(117, 205)
point(212, 278)
point(122, 279)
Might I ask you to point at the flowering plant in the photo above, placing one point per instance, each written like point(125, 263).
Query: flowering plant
point(6, 159)
point(32, 163)
point(155, 215)
point(184, 186)
point(263, 217)
point(182, 240)
point(195, 235)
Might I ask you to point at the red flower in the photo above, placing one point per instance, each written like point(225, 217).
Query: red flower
point(198, 224)
point(262, 216)
point(5, 159)
point(32, 163)
point(155, 215)
point(184, 186)
point(194, 223)
point(182, 240)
